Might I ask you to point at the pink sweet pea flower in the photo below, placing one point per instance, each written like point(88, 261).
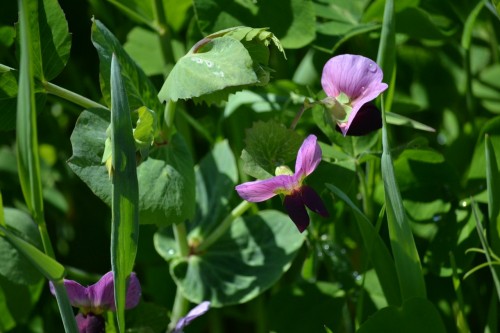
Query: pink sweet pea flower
point(94, 300)
point(297, 195)
point(351, 81)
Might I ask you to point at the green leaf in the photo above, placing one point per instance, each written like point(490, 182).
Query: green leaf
point(125, 192)
point(17, 302)
point(397, 119)
point(477, 169)
point(141, 11)
point(376, 250)
point(493, 184)
point(7, 36)
point(144, 48)
point(417, 23)
point(26, 125)
point(51, 40)
point(258, 249)
point(223, 63)
point(166, 178)
point(13, 264)
point(415, 316)
point(294, 26)
point(140, 90)
point(321, 301)
point(270, 144)
point(216, 177)
point(146, 128)
point(50, 268)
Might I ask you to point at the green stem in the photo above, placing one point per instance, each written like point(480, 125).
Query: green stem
point(367, 204)
point(68, 318)
point(180, 303)
point(163, 33)
point(180, 234)
point(71, 96)
point(47, 244)
point(224, 226)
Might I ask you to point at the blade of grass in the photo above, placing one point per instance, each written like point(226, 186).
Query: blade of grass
point(50, 268)
point(125, 188)
point(405, 253)
point(376, 250)
point(484, 244)
point(27, 154)
point(459, 309)
point(493, 186)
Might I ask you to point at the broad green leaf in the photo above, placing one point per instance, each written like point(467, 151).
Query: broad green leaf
point(258, 102)
point(17, 302)
point(376, 250)
point(125, 192)
point(338, 21)
point(223, 63)
point(415, 316)
point(321, 301)
point(13, 264)
point(140, 90)
point(252, 168)
point(417, 23)
point(294, 26)
point(258, 249)
point(166, 178)
point(7, 36)
point(51, 40)
point(144, 48)
point(271, 144)
point(216, 177)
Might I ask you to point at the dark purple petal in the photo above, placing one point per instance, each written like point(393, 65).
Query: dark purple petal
point(134, 292)
point(197, 311)
point(358, 77)
point(368, 119)
point(261, 190)
point(308, 157)
point(90, 323)
point(313, 201)
point(102, 293)
point(77, 294)
point(296, 210)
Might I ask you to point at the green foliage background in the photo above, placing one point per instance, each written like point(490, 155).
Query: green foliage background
point(341, 274)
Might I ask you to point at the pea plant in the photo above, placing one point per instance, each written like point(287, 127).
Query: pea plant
point(249, 166)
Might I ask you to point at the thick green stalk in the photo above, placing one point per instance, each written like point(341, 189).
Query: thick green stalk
point(224, 225)
point(181, 304)
point(71, 96)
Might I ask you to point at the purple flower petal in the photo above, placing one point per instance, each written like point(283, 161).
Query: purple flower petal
point(358, 77)
point(368, 119)
point(134, 292)
point(102, 293)
point(77, 294)
point(313, 201)
point(197, 311)
point(90, 323)
point(308, 157)
point(261, 190)
point(296, 210)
